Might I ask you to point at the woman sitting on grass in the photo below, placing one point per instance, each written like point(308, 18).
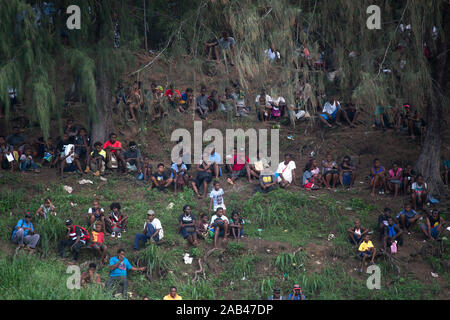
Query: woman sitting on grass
point(330, 171)
point(419, 192)
point(312, 179)
point(395, 178)
point(187, 226)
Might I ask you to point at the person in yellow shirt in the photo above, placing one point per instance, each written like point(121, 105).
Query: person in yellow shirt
point(366, 250)
point(173, 295)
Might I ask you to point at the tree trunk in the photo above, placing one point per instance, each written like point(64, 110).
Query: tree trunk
point(429, 162)
point(103, 125)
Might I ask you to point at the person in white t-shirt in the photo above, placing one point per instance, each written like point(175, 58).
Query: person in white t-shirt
point(219, 225)
point(331, 112)
point(216, 196)
point(152, 230)
point(263, 93)
point(286, 172)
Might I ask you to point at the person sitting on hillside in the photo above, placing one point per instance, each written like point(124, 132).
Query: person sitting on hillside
point(219, 226)
point(147, 170)
point(187, 226)
point(82, 144)
point(216, 196)
point(114, 152)
point(258, 165)
point(331, 112)
point(173, 295)
point(213, 101)
point(211, 49)
point(204, 176)
point(44, 149)
point(118, 266)
point(201, 103)
point(407, 218)
point(172, 96)
point(135, 100)
point(236, 226)
point(357, 233)
point(433, 226)
point(226, 44)
point(24, 235)
point(16, 140)
point(350, 114)
point(6, 155)
point(216, 160)
point(279, 108)
point(133, 157)
point(381, 117)
point(267, 99)
point(152, 230)
point(297, 293)
point(392, 234)
point(68, 159)
point(71, 128)
point(267, 181)
point(272, 54)
point(276, 295)
point(311, 173)
point(96, 216)
point(366, 250)
point(76, 238)
point(116, 222)
point(378, 178)
point(159, 107)
point(383, 221)
point(46, 209)
point(409, 176)
point(186, 101)
point(286, 172)
point(91, 276)
point(203, 226)
point(264, 109)
point(239, 99)
point(160, 179)
point(97, 159)
point(347, 173)
point(178, 173)
point(240, 167)
point(395, 178)
point(26, 162)
point(330, 171)
point(227, 103)
point(419, 192)
point(97, 243)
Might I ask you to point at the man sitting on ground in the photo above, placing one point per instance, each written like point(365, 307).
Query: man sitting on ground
point(240, 167)
point(114, 152)
point(433, 226)
point(331, 112)
point(152, 230)
point(286, 172)
point(160, 179)
point(24, 235)
point(133, 157)
point(201, 103)
point(407, 218)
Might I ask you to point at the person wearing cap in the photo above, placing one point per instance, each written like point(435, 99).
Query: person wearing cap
point(76, 238)
point(23, 233)
point(152, 230)
point(276, 295)
point(297, 293)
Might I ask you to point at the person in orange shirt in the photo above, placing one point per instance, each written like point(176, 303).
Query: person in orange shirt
point(114, 148)
point(97, 243)
point(173, 295)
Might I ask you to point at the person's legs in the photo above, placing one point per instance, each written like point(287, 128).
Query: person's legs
point(328, 177)
point(19, 237)
point(414, 200)
point(139, 237)
point(31, 240)
point(63, 244)
point(76, 250)
point(335, 179)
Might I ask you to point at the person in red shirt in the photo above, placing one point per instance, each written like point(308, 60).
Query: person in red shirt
point(240, 167)
point(114, 148)
point(172, 96)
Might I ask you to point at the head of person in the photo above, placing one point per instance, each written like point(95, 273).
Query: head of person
point(189, 92)
point(69, 223)
point(329, 157)
point(173, 292)
point(16, 130)
point(287, 158)
point(390, 221)
point(92, 267)
point(346, 159)
point(419, 179)
point(213, 93)
point(98, 227)
point(27, 152)
point(227, 91)
point(146, 159)
point(314, 164)
point(121, 253)
point(262, 100)
point(2, 140)
point(435, 214)
point(357, 223)
point(219, 211)
point(82, 132)
point(115, 207)
point(98, 146)
point(395, 166)
point(297, 290)
point(216, 185)
point(159, 89)
point(160, 167)
point(203, 90)
point(70, 123)
point(366, 238)
point(235, 215)
point(47, 202)
point(112, 137)
point(387, 211)
point(150, 215)
point(225, 35)
point(96, 204)
point(407, 207)
point(187, 210)
point(263, 92)
point(376, 163)
point(204, 218)
point(132, 145)
point(276, 292)
point(27, 217)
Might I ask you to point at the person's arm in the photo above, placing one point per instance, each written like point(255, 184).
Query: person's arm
point(294, 180)
point(210, 204)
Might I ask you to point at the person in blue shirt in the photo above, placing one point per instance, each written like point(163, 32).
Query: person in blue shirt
point(179, 176)
point(119, 265)
point(23, 234)
point(216, 161)
point(297, 293)
point(407, 218)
